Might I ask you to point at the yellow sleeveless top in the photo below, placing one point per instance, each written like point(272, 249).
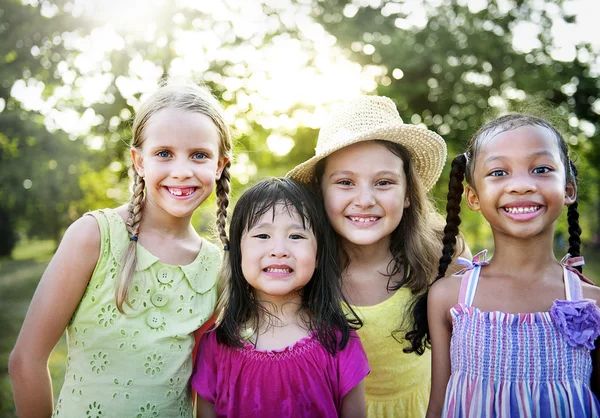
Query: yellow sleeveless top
point(399, 383)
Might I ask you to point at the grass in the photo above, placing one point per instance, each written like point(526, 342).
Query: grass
point(19, 277)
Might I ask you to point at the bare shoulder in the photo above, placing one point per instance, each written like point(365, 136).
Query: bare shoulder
point(84, 231)
point(591, 292)
point(123, 212)
point(445, 291)
point(81, 239)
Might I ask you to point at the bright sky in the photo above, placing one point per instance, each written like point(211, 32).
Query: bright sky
point(266, 79)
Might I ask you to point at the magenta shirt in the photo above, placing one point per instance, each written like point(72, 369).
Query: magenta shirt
point(299, 381)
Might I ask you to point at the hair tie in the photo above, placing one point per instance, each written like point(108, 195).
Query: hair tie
point(466, 154)
point(226, 247)
point(134, 238)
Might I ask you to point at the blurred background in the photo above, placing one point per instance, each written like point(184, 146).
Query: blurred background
point(73, 72)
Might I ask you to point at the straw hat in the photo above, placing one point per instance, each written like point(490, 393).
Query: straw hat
point(367, 118)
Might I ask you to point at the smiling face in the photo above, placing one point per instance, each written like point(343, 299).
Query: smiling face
point(278, 255)
point(520, 182)
point(364, 189)
point(179, 161)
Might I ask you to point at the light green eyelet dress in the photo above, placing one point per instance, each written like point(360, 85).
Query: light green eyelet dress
point(136, 365)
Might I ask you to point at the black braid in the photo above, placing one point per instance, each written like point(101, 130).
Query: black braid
point(419, 337)
point(573, 220)
point(455, 192)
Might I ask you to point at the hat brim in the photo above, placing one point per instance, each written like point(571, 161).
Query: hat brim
point(426, 148)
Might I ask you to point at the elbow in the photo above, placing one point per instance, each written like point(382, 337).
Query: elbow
point(15, 364)
point(19, 363)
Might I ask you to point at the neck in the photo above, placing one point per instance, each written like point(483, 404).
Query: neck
point(523, 257)
point(372, 254)
point(156, 220)
point(285, 308)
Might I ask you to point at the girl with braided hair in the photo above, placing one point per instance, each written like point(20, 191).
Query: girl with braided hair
point(513, 336)
point(132, 284)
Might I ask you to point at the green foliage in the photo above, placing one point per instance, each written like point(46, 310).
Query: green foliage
point(451, 72)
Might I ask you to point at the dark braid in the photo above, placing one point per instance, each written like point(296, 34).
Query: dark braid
point(418, 337)
point(455, 191)
point(573, 220)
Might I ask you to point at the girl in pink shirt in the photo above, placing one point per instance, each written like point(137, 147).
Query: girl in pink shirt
point(283, 346)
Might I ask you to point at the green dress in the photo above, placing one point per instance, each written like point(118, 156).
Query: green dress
point(139, 364)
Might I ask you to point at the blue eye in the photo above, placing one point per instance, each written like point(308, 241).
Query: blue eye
point(498, 173)
point(163, 154)
point(542, 170)
point(200, 156)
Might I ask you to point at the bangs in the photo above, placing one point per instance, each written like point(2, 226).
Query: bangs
point(268, 197)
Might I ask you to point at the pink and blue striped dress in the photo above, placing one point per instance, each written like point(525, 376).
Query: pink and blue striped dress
point(522, 365)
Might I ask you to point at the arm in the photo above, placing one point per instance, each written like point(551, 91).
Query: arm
point(442, 296)
point(593, 292)
point(58, 293)
point(354, 404)
point(205, 409)
point(595, 381)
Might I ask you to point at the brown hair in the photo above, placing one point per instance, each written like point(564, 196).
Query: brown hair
point(415, 244)
point(191, 98)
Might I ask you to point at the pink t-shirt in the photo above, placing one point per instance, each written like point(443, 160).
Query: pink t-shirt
point(299, 381)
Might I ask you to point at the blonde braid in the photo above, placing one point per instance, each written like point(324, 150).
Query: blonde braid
point(222, 192)
point(129, 261)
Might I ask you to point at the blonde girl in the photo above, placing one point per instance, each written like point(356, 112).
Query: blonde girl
point(373, 173)
point(132, 284)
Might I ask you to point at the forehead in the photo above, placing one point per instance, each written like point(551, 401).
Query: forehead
point(192, 128)
point(363, 155)
point(280, 213)
point(519, 143)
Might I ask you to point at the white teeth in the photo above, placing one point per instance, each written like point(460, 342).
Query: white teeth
point(278, 270)
point(522, 209)
point(363, 220)
point(179, 192)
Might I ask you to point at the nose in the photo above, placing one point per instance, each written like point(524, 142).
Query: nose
point(279, 248)
point(181, 169)
point(365, 197)
point(521, 183)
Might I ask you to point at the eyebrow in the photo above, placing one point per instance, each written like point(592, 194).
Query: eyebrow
point(379, 173)
point(532, 155)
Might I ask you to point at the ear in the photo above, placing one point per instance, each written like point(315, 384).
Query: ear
point(220, 166)
point(570, 193)
point(471, 197)
point(406, 202)
point(138, 161)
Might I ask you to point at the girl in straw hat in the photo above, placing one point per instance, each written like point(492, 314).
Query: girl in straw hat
point(373, 171)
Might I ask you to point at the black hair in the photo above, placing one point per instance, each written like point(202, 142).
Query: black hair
point(462, 168)
point(322, 297)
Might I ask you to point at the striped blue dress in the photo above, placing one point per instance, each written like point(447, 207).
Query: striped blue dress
point(517, 365)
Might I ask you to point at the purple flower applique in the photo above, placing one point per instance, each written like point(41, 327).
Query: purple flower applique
point(578, 321)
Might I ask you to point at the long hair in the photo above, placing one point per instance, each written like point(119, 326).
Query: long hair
point(190, 98)
point(321, 305)
point(462, 168)
point(415, 243)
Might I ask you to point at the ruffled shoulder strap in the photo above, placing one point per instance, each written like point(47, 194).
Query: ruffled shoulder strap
point(470, 278)
point(572, 277)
